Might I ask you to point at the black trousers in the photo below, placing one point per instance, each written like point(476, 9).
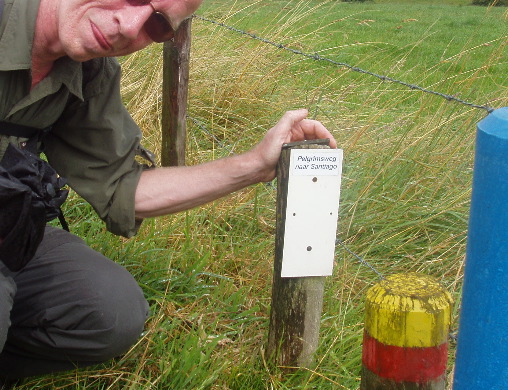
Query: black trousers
point(69, 307)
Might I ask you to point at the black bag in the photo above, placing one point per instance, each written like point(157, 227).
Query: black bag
point(30, 195)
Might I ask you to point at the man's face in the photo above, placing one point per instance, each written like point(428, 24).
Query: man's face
point(104, 28)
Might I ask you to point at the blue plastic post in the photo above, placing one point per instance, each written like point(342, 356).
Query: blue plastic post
point(482, 350)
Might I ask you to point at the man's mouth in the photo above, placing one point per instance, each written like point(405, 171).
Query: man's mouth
point(100, 37)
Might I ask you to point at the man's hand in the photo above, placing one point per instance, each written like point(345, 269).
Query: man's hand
point(292, 127)
point(168, 190)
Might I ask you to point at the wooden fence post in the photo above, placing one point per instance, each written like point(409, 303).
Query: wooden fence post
point(176, 55)
point(297, 301)
point(405, 345)
point(482, 348)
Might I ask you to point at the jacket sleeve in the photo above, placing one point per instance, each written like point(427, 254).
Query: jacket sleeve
point(94, 144)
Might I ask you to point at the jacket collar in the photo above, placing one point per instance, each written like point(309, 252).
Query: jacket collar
point(16, 47)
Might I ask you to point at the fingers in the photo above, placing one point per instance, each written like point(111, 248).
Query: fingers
point(312, 129)
point(295, 116)
point(301, 128)
point(290, 121)
point(292, 127)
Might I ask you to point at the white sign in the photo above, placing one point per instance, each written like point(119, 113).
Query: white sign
point(312, 212)
point(325, 162)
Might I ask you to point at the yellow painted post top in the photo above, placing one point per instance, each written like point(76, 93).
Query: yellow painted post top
point(408, 310)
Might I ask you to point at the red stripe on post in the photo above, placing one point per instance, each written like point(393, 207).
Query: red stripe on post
point(417, 365)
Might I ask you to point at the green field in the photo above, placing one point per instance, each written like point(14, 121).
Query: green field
point(405, 189)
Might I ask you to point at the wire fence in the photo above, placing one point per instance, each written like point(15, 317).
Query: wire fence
point(360, 259)
point(318, 57)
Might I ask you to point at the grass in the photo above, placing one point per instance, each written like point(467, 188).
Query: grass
point(405, 192)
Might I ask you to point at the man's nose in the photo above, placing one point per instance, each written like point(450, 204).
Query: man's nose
point(133, 19)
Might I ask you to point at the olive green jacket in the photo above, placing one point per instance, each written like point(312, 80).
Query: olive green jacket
point(93, 140)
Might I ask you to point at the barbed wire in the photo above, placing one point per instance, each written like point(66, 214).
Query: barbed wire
point(318, 57)
point(230, 150)
point(207, 132)
point(359, 258)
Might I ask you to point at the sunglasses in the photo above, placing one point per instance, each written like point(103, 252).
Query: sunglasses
point(157, 26)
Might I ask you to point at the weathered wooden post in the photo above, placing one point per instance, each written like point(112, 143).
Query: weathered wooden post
point(176, 55)
point(482, 349)
point(405, 345)
point(307, 210)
